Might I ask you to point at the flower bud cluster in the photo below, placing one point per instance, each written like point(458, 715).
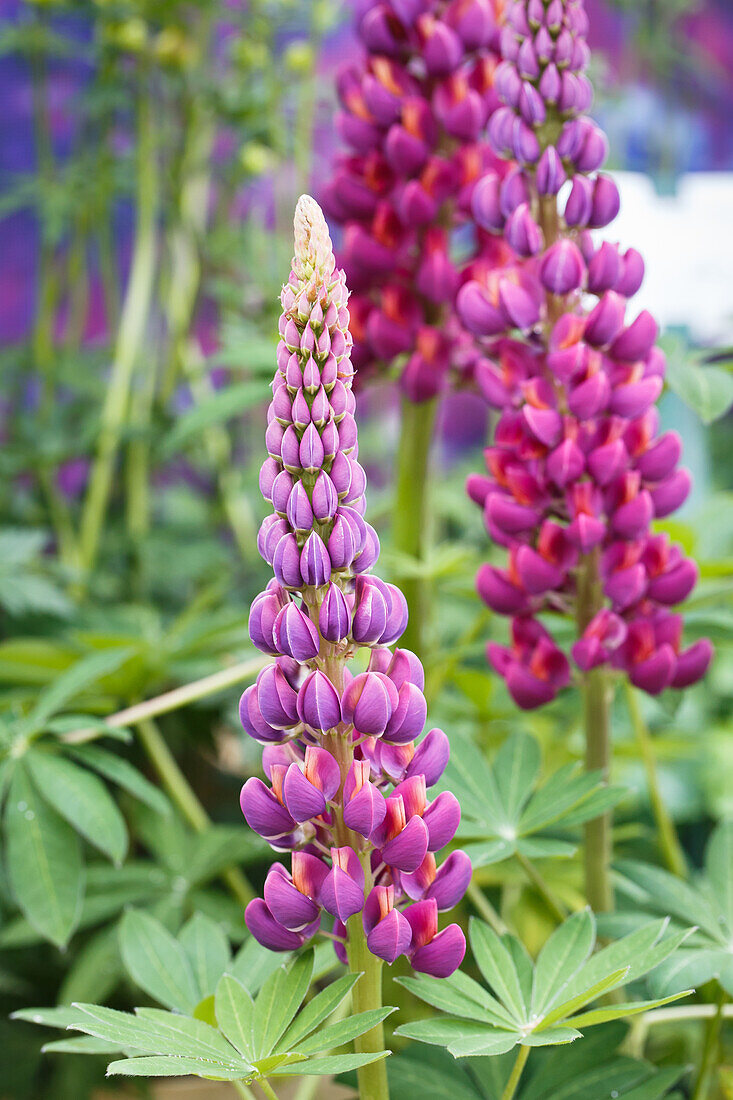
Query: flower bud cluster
point(578, 470)
point(348, 785)
point(414, 114)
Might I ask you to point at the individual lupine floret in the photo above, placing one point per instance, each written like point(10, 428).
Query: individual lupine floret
point(348, 793)
point(414, 115)
point(577, 471)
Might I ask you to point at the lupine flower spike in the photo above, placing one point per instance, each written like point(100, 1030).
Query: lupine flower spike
point(348, 785)
point(577, 471)
point(414, 115)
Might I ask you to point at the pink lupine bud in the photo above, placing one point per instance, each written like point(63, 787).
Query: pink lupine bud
point(404, 666)
point(318, 702)
point(270, 933)
point(370, 611)
point(364, 805)
point(253, 722)
point(286, 903)
point(369, 702)
point(406, 849)
point(263, 811)
point(550, 174)
point(296, 635)
point(606, 200)
point(522, 232)
point(342, 890)
point(633, 273)
point(431, 757)
point(388, 931)
point(451, 881)
point(276, 697)
point(579, 207)
point(262, 616)
point(334, 616)
point(431, 952)
point(408, 718)
point(692, 664)
point(442, 818)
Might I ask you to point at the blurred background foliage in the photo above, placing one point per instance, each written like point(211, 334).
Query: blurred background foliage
point(151, 155)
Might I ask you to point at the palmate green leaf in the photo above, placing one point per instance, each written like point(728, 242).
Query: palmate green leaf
point(43, 859)
point(277, 1002)
point(456, 996)
point(562, 955)
point(541, 1002)
point(652, 888)
point(497, 967)
point(123, 774)
point(343, 1031)
point(81, 798)
point(157, 962)
point(316, 1011)
point(207, 949)
point(409, 1078)
point(235, 1011)
point(689, 969)
point(69, 684)
point(621, 1011)
point(516, 766)
point(572, 1004)
point(83, 1044)
point(637, 954)
point(329, 1065)
point(719, 869)
point(442, 1031)
point(178, 1067)
point(505, 812)
point(708, 390)
point(154, 1031)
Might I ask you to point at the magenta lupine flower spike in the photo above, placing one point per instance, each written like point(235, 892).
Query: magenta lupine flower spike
point(577, 471)
point(348, 791)
point(414, 115)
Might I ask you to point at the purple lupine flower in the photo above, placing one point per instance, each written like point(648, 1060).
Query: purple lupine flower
point(348, 794)
point(577, 471)
point(414, 115)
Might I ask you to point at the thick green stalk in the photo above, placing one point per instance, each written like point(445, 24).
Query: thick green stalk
point(596, 694)
point(184, 797)
point(267, 1089)
point(410, 518)
point(367, 995)
point(130, 335)
point(674, 857)
point(513, 1082)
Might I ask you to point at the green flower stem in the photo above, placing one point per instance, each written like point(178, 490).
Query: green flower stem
point(513, 1082)
point(484, 908)
point(556, 908)
point(183, 796)
point(596, 693)
point(267, 1088)
point(409, 523)
point(173, 700)
point(130, 334)
point(243, 1090)
point(367, 995)
point(674, 857)
point(710, 1052)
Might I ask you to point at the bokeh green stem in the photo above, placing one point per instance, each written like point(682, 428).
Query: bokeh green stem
point(410, 521)
point(130, 335)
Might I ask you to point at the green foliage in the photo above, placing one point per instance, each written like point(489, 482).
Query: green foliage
point(537, 1004)
point(707, 904)
point(255, 1028)
point(575, 1073)
point(506, 810)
